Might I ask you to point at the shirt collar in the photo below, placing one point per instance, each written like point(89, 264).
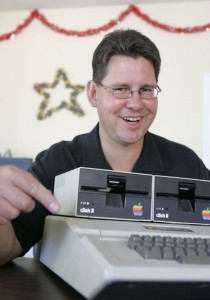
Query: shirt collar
point(93, 156)
point(149, 161)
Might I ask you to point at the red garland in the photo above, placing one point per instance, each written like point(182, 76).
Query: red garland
point(131, 9)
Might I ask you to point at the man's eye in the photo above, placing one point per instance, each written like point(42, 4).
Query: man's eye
point(121, 90)
point(147, 89)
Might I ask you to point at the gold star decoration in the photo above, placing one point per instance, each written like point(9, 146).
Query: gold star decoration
point(44, 111)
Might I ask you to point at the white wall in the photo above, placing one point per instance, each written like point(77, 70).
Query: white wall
point(206, 120)
point(35, 55)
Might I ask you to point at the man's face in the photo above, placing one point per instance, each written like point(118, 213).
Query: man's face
point(125, 121)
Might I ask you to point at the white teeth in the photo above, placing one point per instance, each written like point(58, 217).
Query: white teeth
point(130, 119)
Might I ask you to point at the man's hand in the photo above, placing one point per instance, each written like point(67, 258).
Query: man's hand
point(17, 190)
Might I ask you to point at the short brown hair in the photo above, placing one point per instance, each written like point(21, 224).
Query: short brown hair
point(126, 42)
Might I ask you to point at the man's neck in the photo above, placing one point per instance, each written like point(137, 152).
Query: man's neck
point(121, 157)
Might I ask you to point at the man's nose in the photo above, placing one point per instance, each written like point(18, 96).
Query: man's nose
point(135, 101)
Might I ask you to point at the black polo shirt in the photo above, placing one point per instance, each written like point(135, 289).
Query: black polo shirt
point(159, 156)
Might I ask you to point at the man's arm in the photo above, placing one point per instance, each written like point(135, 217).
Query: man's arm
point(10, 247)
point(17, 191)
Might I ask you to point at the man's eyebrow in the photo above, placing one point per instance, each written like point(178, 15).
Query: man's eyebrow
point(149, 86)
point(126, 85)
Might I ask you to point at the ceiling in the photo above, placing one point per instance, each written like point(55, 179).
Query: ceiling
point(9, 5)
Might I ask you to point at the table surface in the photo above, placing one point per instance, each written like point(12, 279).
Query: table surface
point(28, 279)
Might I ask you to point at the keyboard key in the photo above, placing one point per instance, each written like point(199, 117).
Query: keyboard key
point(194, 259)
point(133, 241)
point(168, 253)
point(150, 253)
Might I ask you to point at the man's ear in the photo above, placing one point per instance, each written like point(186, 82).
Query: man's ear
point(91, 93)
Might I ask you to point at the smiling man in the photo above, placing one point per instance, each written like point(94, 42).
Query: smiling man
point(126, 102)
point(124, 90)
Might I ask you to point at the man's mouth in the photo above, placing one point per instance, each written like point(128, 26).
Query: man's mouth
point(132, 120)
